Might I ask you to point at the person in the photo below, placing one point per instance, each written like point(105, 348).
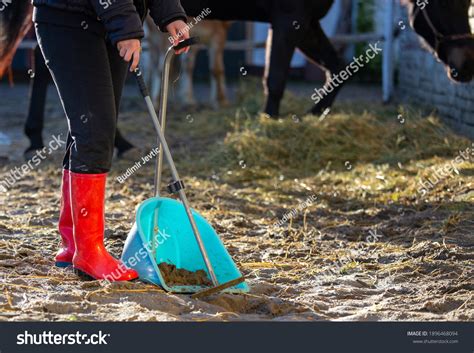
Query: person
point(33, 128)
point(88, 45)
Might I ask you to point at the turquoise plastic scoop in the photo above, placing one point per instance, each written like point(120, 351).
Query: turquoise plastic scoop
point(175, 245)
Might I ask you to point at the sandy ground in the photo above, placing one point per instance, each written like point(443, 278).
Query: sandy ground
point(343, 255)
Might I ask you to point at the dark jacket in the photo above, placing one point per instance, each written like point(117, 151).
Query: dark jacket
point(122, 19)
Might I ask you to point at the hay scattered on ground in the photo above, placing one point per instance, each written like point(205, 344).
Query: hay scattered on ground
point(325, 218)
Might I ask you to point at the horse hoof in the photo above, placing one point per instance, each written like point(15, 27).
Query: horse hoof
point(31, 151)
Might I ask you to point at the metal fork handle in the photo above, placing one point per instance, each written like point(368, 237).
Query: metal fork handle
point(164, 88)
point(163, 109)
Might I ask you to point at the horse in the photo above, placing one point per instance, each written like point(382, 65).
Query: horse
point(289, 20)
point(444, 25)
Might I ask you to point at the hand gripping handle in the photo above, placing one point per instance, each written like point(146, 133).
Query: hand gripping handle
point(139, 75)
point(187, 43)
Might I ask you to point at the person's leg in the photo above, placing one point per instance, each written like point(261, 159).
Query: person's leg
point(79, 64)
point(39, 88)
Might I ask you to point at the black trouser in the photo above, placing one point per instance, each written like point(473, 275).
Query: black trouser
point(35, 119)
point(89, 75)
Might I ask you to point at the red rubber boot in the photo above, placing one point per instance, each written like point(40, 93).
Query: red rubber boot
point(64, 256)
point(91, 257)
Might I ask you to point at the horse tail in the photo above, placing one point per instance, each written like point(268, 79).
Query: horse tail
point(15, 22)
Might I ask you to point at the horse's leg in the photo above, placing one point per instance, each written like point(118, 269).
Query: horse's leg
point(185, 83)
point(217, 69)
point(318, 49)
point(212, 51)
point(220, 67)
point(280, 49)
point(219, 72)
point(121, 143)
point(39, 88)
